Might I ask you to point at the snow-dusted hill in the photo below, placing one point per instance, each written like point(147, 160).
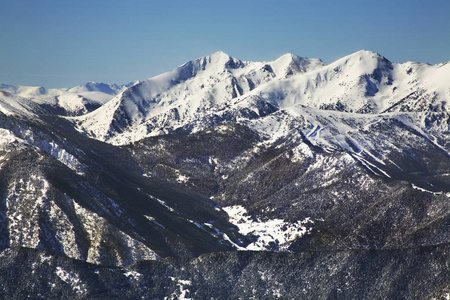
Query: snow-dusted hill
point(106, 88)
point(70, 101)
point(15, 105)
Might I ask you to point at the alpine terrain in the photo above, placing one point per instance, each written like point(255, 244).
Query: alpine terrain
point(230, 179)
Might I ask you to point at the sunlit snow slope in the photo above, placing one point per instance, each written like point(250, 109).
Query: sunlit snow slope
point(68, 102)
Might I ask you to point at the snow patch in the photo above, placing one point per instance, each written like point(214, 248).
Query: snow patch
point(73, 279)
point(182, 178)
point(132, 275)
point(426, 191)
point(182, 292)
point(301, 151)
point(269, 232)
point(63, 156)
point(7, 138)
point(163, 203)
point(152, 219)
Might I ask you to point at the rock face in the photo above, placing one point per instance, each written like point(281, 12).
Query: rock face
point(337, 176)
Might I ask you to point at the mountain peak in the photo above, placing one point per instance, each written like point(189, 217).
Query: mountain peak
point(216, 62)
point(290, 56)
point(219, 55)
point(367, 55)
point(290, 64)
point(368, 52)
point(92, 86)
point(220, 59)
point(364, 62)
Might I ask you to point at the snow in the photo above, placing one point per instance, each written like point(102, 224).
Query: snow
point(25, 136)
point(302, 150)
point(268, 231)
point(222, 236)
point(73, 279)
point(8, 138)
point(209, 87)
point(192, 90)
point(182, 178)
point(182, 291)
point(27, 202)
point(152, 219)
point(132, 275)
point(339, 81)
point(425, 190)
point(25, 231)
point(74, 101)
point(61, 155)
point(39, 92)
point(104, 88)
point(163, 203)
point(14, 105)
point(305, 92)
point(376, 170)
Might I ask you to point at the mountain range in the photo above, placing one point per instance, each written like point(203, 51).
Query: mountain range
point(231, 179)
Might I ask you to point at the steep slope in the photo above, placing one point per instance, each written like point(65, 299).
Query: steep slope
point(11, 105)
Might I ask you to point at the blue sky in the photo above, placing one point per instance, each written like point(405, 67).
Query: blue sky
point(66, 43)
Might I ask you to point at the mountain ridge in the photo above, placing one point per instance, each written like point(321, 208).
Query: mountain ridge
point(68, 101)
point(363, 82)
point(228, 168)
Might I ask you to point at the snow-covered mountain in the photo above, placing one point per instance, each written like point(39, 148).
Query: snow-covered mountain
point(106, 88)
point(209, 87)
point(341, 168)
point(195, 89)
point(69, 101)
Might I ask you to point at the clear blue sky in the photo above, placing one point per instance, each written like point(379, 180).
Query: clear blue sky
point(65, 43)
